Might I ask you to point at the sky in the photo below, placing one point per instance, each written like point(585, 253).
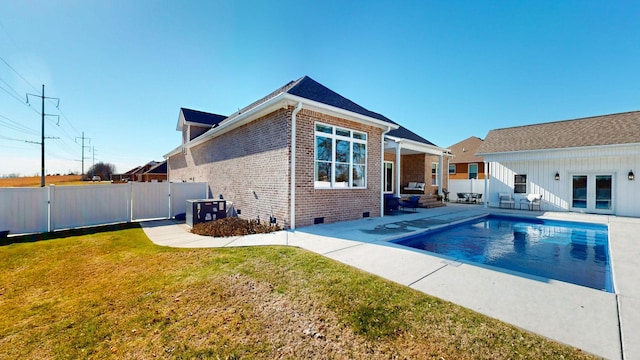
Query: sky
point(446, 70)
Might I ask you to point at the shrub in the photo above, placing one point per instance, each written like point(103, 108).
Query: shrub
point(233, 226)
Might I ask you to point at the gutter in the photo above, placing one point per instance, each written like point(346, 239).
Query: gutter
point(292, 180)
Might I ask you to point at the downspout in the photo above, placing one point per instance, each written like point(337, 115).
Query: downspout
point(382, 171)
point(292, 205)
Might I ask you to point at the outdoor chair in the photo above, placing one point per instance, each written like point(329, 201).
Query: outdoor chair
point(462, 197)
point(412, 203)
point(391, 204)
point(476, 198)
point(506, 199)
point(532, 200)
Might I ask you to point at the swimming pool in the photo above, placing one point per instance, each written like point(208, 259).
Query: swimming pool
point(561, 250)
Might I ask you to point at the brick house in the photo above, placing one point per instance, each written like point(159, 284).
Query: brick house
point(303, 154)
point(464, 163)
point(157, 172)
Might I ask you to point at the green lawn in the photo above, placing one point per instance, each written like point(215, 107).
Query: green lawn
point(113, 294)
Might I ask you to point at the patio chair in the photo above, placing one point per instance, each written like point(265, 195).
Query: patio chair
point(462, 197)
point(391, 204)
point(532, 200)
point(412, 203)
point(476, 198)
point(506, 199)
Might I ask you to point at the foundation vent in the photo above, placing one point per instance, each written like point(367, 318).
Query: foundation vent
point(318, 220)
point(365, 214)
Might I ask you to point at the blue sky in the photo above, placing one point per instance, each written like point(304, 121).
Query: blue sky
point(445, 69)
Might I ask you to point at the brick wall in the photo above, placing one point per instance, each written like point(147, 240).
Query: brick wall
point(333, 204)
point(412, 169)
point(250, 166)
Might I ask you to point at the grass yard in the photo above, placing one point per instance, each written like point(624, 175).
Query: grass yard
point(113, 294)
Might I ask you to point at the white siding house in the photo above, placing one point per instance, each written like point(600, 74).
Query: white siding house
point(584, 165)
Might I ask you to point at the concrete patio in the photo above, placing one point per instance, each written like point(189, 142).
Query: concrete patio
point(600, 323)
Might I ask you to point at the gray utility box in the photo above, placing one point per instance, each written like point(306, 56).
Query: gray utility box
point(202, 210)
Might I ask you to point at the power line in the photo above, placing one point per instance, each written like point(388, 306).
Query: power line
point(20, 75)
point(14, 125)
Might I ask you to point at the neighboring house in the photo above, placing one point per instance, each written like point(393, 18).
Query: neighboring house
point(464, 163)
point(158, 173)
point(583, 165)
point(137, 173)
point(303, 154)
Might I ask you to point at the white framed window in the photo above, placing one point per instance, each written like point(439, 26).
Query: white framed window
point(452, 168)
point(340, 157)
point(473, 171)
point(434, 174)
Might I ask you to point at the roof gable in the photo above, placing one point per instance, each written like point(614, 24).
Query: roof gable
point(465, 151)
point(308, 88)
point(201, 117)
point(614, 129)
point(159, 168)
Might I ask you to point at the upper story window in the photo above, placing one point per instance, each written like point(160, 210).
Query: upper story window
point(452, 168)
point(340, 157)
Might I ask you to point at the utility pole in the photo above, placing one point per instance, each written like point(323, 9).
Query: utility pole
point(43, 137)
point(93, 160)
point(83, 139)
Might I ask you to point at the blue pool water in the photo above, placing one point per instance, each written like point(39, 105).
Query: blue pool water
point(566, 251)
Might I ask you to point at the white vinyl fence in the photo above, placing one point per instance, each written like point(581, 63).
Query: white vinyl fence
point(35, 210)
point(466, 186)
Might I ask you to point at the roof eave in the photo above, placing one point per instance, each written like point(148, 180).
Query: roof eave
point(237, 120)
point(338, 112)
point(284, 100)
point(605, 146)
point(418, 146)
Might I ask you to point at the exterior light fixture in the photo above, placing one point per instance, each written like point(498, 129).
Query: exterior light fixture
point(557, 176)
point(631, 176)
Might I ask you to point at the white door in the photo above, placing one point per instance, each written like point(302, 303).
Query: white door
point(592, 193)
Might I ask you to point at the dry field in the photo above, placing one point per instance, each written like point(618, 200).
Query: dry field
point(34, 181)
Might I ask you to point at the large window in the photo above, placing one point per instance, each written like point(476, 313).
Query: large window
point(341, 157)
point(452, 168)
point(520, 184)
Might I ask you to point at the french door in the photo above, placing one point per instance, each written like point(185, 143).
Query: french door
point(592, 193)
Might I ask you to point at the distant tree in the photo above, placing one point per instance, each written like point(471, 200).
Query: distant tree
point(104, 170)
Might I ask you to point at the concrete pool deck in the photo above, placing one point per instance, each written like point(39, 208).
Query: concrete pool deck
point(600, 323)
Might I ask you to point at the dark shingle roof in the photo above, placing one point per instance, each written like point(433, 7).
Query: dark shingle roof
point(623, 128)
point(405, 133)
point(310, 89)
point(201, 117)
point(159, 168)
